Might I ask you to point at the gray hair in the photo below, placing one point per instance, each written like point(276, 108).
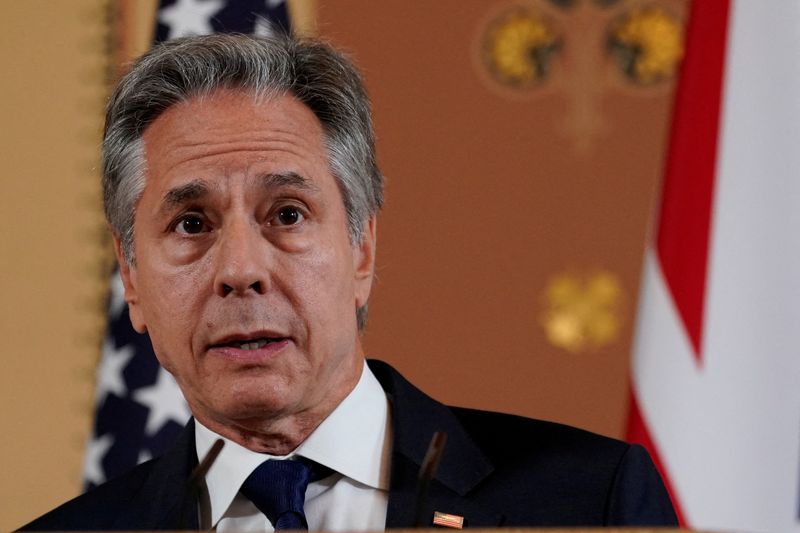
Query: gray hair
point(178, 70)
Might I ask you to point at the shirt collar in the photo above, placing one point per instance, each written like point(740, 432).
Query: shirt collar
point(354, 440)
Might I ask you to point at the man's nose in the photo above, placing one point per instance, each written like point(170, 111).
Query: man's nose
point(242, 260)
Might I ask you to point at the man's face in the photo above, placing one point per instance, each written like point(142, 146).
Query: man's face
point(245, 276)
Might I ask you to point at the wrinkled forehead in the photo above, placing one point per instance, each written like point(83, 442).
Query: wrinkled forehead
point(228, 137)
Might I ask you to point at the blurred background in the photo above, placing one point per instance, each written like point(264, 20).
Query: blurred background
point(523, 144)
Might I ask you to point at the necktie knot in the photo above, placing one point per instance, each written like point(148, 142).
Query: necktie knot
point(278, 489)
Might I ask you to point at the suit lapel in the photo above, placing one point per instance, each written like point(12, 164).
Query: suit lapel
point(415, 418)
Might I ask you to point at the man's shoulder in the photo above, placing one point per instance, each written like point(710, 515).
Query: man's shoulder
point(521, 446)
point(573, 468)
point(539, 473)
point(153, 495)
point(507, 437)
point(99, 508)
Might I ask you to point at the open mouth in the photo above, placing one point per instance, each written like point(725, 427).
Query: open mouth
point(249, 344)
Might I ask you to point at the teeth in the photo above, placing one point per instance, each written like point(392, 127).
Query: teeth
point(254, 345)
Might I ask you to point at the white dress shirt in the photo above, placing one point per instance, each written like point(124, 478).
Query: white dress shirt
point(354, 441)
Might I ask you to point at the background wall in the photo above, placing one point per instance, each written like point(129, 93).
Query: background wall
point(509, 249)
point(53, 59)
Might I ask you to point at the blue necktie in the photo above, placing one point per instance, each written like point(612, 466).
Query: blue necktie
point(278, 489)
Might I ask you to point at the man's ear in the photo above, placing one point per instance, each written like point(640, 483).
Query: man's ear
point(364, 260)
point(129, 281)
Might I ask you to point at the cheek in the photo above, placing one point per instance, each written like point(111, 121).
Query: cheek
point(170, 300)
point(325, 284)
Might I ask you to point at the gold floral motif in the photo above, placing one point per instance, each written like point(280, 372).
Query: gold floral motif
point(518, 47)
point(583, 312)
point(648, 43)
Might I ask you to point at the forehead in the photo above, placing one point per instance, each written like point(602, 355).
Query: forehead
point(230, 132)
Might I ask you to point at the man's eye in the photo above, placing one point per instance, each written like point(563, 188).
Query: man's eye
point(288, 216)
point(190, 224)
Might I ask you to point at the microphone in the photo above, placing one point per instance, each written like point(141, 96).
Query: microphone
point(195, 482)
point(200, 471)
point(430, 464)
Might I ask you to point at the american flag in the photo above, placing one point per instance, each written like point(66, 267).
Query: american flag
point(448, 520)
point(139, 408)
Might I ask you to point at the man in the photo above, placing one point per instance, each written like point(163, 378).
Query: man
point(241, 188)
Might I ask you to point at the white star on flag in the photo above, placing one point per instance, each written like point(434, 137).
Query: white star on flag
point(160, 398)
point(110, 370)
point(263, 27)
point(95, 450)
point(190, 17)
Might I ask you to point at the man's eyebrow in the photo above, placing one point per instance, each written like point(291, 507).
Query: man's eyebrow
point(197, 189)
point(287, 179)
point(183, 194)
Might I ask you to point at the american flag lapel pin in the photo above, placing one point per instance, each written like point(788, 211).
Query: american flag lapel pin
point(448, 520)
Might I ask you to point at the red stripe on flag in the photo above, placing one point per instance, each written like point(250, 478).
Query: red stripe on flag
point(686, 201)
point(639, 434)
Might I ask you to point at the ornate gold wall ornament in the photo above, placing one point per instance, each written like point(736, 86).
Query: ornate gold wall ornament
point(647, 44)
point(581, 56)
point(518, 46)
point(582, 312)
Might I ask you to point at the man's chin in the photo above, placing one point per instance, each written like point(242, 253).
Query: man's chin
point(242, 406)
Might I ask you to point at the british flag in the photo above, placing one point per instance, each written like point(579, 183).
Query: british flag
point(716, 369)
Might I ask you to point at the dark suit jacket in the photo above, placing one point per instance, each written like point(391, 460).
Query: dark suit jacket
point(497, 470)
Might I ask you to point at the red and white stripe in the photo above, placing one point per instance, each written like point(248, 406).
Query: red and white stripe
point(716, 369)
